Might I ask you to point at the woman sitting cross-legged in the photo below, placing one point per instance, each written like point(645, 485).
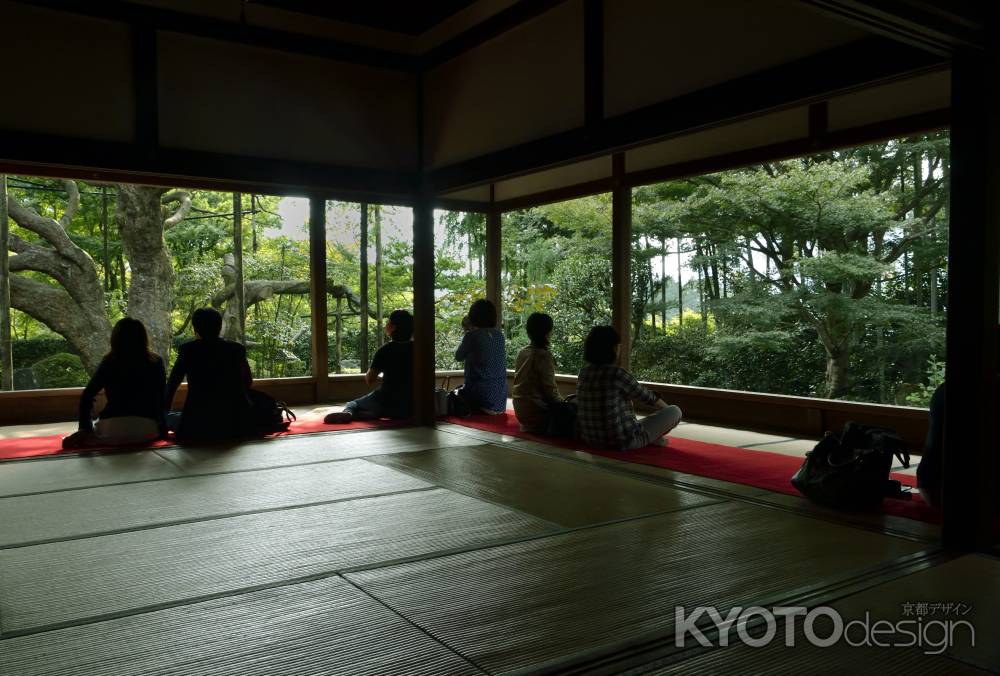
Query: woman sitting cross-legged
point(535, 389)
point(132, 378)
point(604, 392)
point(394, 361)
point(482, 349)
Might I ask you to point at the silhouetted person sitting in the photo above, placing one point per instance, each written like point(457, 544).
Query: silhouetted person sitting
point(482, 349)
point(218, 376)
point(394, 361)
point(132, 378)
point(535, 388)
point(604, 394)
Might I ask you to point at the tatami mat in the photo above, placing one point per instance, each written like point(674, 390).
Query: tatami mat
point(34, 476)
point(567, 493)
point(49, 516)
point(325, 627)
point(305, 448)
point(67, 581)
point(523, 604)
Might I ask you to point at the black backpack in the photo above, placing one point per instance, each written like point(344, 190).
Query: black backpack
point(267, 414)
point(851, 471)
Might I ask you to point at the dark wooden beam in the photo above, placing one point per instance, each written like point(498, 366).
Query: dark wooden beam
point(595, 187)
point(938, 27)
point(503, 21)
point(808, 80)
point(317, 294)
point(114, 161)
point(593, 62)
point(231, 31)
point(970, 432)
point(494, 239)
point(621, 258)
point(145, 89)
point(461, 205)
point(423, 313)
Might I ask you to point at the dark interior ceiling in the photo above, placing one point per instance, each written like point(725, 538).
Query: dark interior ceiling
point(411, 17)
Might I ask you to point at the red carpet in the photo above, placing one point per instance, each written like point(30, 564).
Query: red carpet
point(761, 469)
point(34, 447)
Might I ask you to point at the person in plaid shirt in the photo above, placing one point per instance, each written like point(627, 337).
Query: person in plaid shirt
point(603, 395)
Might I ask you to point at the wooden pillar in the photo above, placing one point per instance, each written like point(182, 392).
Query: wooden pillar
point(621, 250)
point(239, 297)
point(379, 309)
point(6, 345)
point(363, 292)
point(317, 295)
point(423, 312)
point(494, 292)
point(970, 439)
point(338, 344)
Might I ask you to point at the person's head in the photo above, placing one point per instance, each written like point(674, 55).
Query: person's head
point(538, 327)
point(130, 341)
point(399, 326)
point(483, 314)
point(207, 323)
point(601, 345)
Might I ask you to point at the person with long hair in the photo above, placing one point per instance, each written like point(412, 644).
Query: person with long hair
point(484, 354)
point(132, 378)
point(604, 392)
point(535, 389)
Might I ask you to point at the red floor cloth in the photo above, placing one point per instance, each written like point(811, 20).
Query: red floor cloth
point(760, 469)
point(34, 447)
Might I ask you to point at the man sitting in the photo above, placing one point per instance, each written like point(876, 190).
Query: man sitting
point(218, 376)
point(394, 361)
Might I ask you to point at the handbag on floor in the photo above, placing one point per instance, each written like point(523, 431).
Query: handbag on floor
point(850, 471)
point(440, 402)
point(561, 420)
point(267, 414)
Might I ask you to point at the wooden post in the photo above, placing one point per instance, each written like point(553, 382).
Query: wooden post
point(338, 345)
point(680, 288)
point(970, 438)
point(238, 262)
point(621, 249)
point(663, 281)
point(493, 264)
point(363, 291)
point(6, 345)
point(317, 295)
point(423, 312)
point(106, 260)
point(377, 212)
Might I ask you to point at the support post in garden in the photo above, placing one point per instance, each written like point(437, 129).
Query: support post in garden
point(6, 358)
point(363, 291)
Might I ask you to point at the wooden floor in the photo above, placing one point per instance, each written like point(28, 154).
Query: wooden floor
point(440, 551)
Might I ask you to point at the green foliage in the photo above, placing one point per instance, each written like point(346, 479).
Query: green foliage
point(60, 370)
point(935, 378)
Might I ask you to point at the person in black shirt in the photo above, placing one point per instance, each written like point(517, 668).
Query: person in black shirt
point(218, 376)
point(132, 378)
point(394, 360)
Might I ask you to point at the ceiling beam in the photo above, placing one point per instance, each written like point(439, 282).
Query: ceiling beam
point(938, 27)
point(836, 71)
point(95, 160)
point(230, 31)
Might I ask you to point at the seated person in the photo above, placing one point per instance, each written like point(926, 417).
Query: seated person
point(218, 376)
point(603, 395)
point(394, 361)
point(535, 386)
point(482, 349)
point(132, 378)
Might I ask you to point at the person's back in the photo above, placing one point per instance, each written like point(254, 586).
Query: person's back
point(132, 379)
point(394, 361)
point(218, 376)
point(485, 356)
point(535, 390)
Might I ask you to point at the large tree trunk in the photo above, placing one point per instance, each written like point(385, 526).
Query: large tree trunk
point(837, 371)
point(75, 308)
point(141, 222)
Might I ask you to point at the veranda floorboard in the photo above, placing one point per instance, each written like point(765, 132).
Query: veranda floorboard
point(65, 473)
point(306, 448)
point(322, 627)
point(75, 580)
point(539, 602)
point(106, 509)
point(567, 493)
